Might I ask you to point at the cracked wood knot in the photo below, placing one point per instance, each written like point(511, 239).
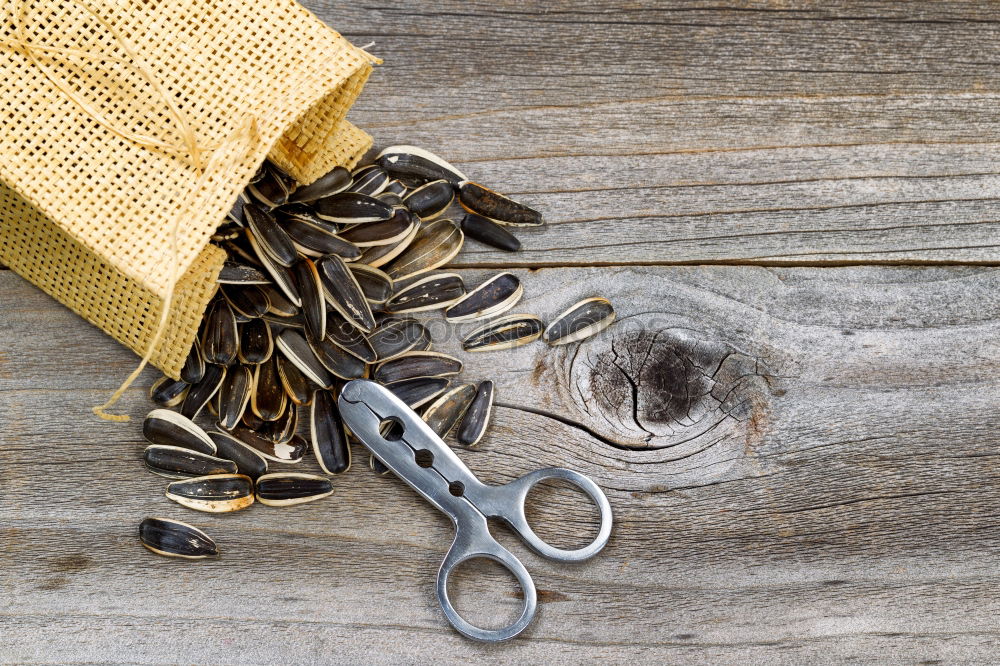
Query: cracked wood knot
point(652, 388)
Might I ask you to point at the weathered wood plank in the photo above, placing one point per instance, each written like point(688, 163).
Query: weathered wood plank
point(804, 469)
point(750, 133)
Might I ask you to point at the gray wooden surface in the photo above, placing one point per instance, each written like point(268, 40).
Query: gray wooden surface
point(802, 458)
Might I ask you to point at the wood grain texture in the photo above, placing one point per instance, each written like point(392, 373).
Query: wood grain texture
point(802, 466)
point(801, 459)
point(662, 133)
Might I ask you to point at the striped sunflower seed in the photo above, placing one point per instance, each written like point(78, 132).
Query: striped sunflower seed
point(270, 237)
point(390, 232)
point(416, 364)
point(498, 294)
point(430, 201)
point(579, 321)
point(256, 343)
point(329, 438)
point(289, 452)
point(217, 493)
point(419, 391)
point(477, 417)
point(504, 333)
point(344, 294)
point(333, 182)
point(199, 394)
point(434, 245)
point(166, 427)
point(167, 392)
point(288, 488)
point(352, 208)
point(175, 462)
point(490, 233)
point(248, 461)
point(296, 349)
point(374, 283)
point(447, 410)
point(428, 292)
point(234, 396)
point(413, 161)
point(268, 400)
point(173, 538)
point(477, 199)
point(380, 255)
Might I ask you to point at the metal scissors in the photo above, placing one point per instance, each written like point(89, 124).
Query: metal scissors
point(420, 458)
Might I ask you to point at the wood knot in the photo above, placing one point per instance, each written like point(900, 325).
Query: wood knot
point(653, 388)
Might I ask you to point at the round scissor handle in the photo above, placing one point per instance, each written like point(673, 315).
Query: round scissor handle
point(517, 495)
point(470, 545)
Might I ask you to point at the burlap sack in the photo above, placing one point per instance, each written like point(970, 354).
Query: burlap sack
point(129, 127)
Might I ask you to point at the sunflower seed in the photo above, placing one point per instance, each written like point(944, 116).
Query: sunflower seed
point(582, 320)
point(194, 365)
point(376, 465)
point(220, 342)
point(430, 201)
point(313, 236)
point(343, 292)
point(489, 232)
point(350, 339)
point(477, 199)
point(166, 427)
point(390, 232)
point(329, 440)
point(375, 284)
point(294, 382)
point(217, 493)
point(248, 461)
point(416, 364)
point(337, 180)
point(273, 187)
point(498, 294)
point(269, 235)
point(269, 399)
point(175, 462)
point(167, 392)
point(352, 208)
point(477, 417)
point(373, 181)
point(280, 305)
point(278, 273)
point(234, 396)
point(236, 212)
point(380, 255)
point(288, 488)
point(311, 292)
point(446, 411)
point(434, 245)
point(283, 429)
point(419, 391)
point(236, 273)
point(199, 394)
point(413, 161)
point(504, 333)
point(430, 292)
point(339, 362)
point(249, 301)
point(295, 348)
point(394, 337)
point(288, 452)
point(176, 539)
point(256, 343)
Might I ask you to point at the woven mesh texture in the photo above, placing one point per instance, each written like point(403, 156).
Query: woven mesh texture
point(88, 214)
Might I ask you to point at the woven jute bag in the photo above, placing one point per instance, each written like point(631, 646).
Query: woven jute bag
point(130, 126)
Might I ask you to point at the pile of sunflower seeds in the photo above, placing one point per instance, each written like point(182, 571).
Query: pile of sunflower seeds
point(317, 290)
